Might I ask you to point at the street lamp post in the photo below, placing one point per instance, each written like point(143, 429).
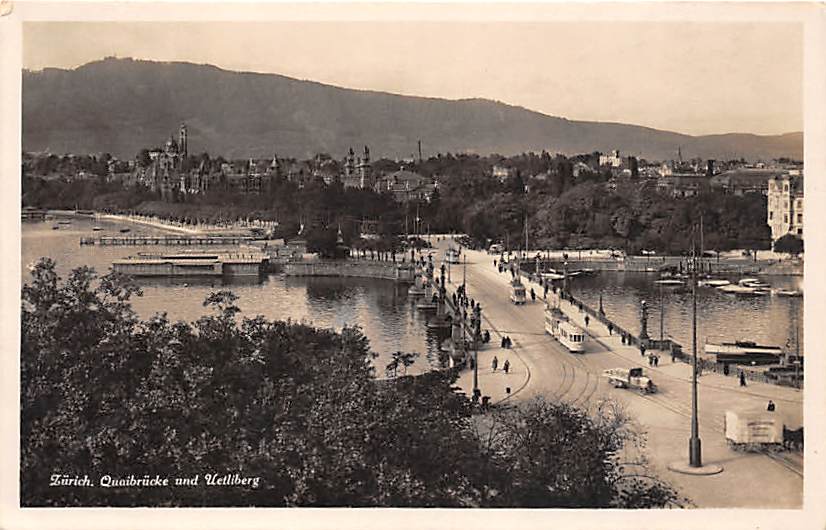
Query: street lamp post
point(694, 445)
point(477, 314)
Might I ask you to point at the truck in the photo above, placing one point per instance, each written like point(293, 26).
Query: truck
point(630, 378)
point(754, 430)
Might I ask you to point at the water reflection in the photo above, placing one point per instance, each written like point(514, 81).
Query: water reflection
point(764, 319)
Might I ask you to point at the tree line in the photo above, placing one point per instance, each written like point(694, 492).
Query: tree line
point(560, 209)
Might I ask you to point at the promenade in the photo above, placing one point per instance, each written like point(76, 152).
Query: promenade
point(540, 366)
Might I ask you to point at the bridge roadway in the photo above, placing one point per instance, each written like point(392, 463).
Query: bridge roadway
point(749, 479)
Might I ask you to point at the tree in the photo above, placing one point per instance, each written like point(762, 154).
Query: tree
point(789, 244)
point(400, 359)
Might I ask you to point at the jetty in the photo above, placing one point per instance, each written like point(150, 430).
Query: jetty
point(191, 264)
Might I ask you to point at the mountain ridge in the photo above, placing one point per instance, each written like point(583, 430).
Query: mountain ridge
point(122, 105)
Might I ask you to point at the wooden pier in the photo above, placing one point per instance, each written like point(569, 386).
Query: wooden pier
point(177, 240)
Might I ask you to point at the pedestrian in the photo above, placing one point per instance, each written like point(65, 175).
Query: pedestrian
point(507, 366)
point(610, 329)
point(533, 295)
point(587, 320)
point(770, 406)
point(622, 337)
point(725, 369)
point(487, 336)
point(674, 357)
point(656, 360)
point(508, 342)
point(494, 263)
point(545, 293)
point(742, 378)
point(650, 360)
point(642, 348)
point(494, 363)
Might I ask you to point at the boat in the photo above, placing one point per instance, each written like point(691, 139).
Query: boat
point(64, 222)
point(713, 283)
point(744, 352)
point(743, 290)
point(788, 292)
point(552, 276)
point(96, 229)
point(125, 230)
point(55, 227)
point(668, 281)
point(754, 283)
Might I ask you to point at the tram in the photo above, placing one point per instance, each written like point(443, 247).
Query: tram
point(566, 332)
point(572, 337)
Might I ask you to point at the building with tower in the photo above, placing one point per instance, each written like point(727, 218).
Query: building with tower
point(357, 170)
point(785, 205)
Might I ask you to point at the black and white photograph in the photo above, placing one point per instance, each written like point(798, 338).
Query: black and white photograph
point(437, 256)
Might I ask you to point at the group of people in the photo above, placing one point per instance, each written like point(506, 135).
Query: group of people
point(507, 343)
point(653, 359)
point(494, 364)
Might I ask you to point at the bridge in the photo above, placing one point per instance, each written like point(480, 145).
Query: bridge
point(552, 372)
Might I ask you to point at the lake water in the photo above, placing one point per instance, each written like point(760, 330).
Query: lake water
point(381, 308)
point(386, 314)
point(767, 320)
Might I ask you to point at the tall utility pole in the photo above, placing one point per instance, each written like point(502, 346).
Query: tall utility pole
point(526, 236)
point(694, 446)
point(702, 248)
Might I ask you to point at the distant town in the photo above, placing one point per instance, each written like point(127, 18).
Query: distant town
point(175, 176)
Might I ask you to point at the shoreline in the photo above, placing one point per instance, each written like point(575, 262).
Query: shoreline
point(146, 222)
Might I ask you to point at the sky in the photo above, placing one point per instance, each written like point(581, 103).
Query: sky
point(693, 78)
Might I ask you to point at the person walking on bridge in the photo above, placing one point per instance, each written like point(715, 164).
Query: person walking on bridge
point(742, 378)
point(533, 295)
point(507, 366)
point(587, 320)
point(610, 328)
point(494, 363)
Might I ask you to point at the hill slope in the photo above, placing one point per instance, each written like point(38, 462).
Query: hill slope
point(122, 105)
